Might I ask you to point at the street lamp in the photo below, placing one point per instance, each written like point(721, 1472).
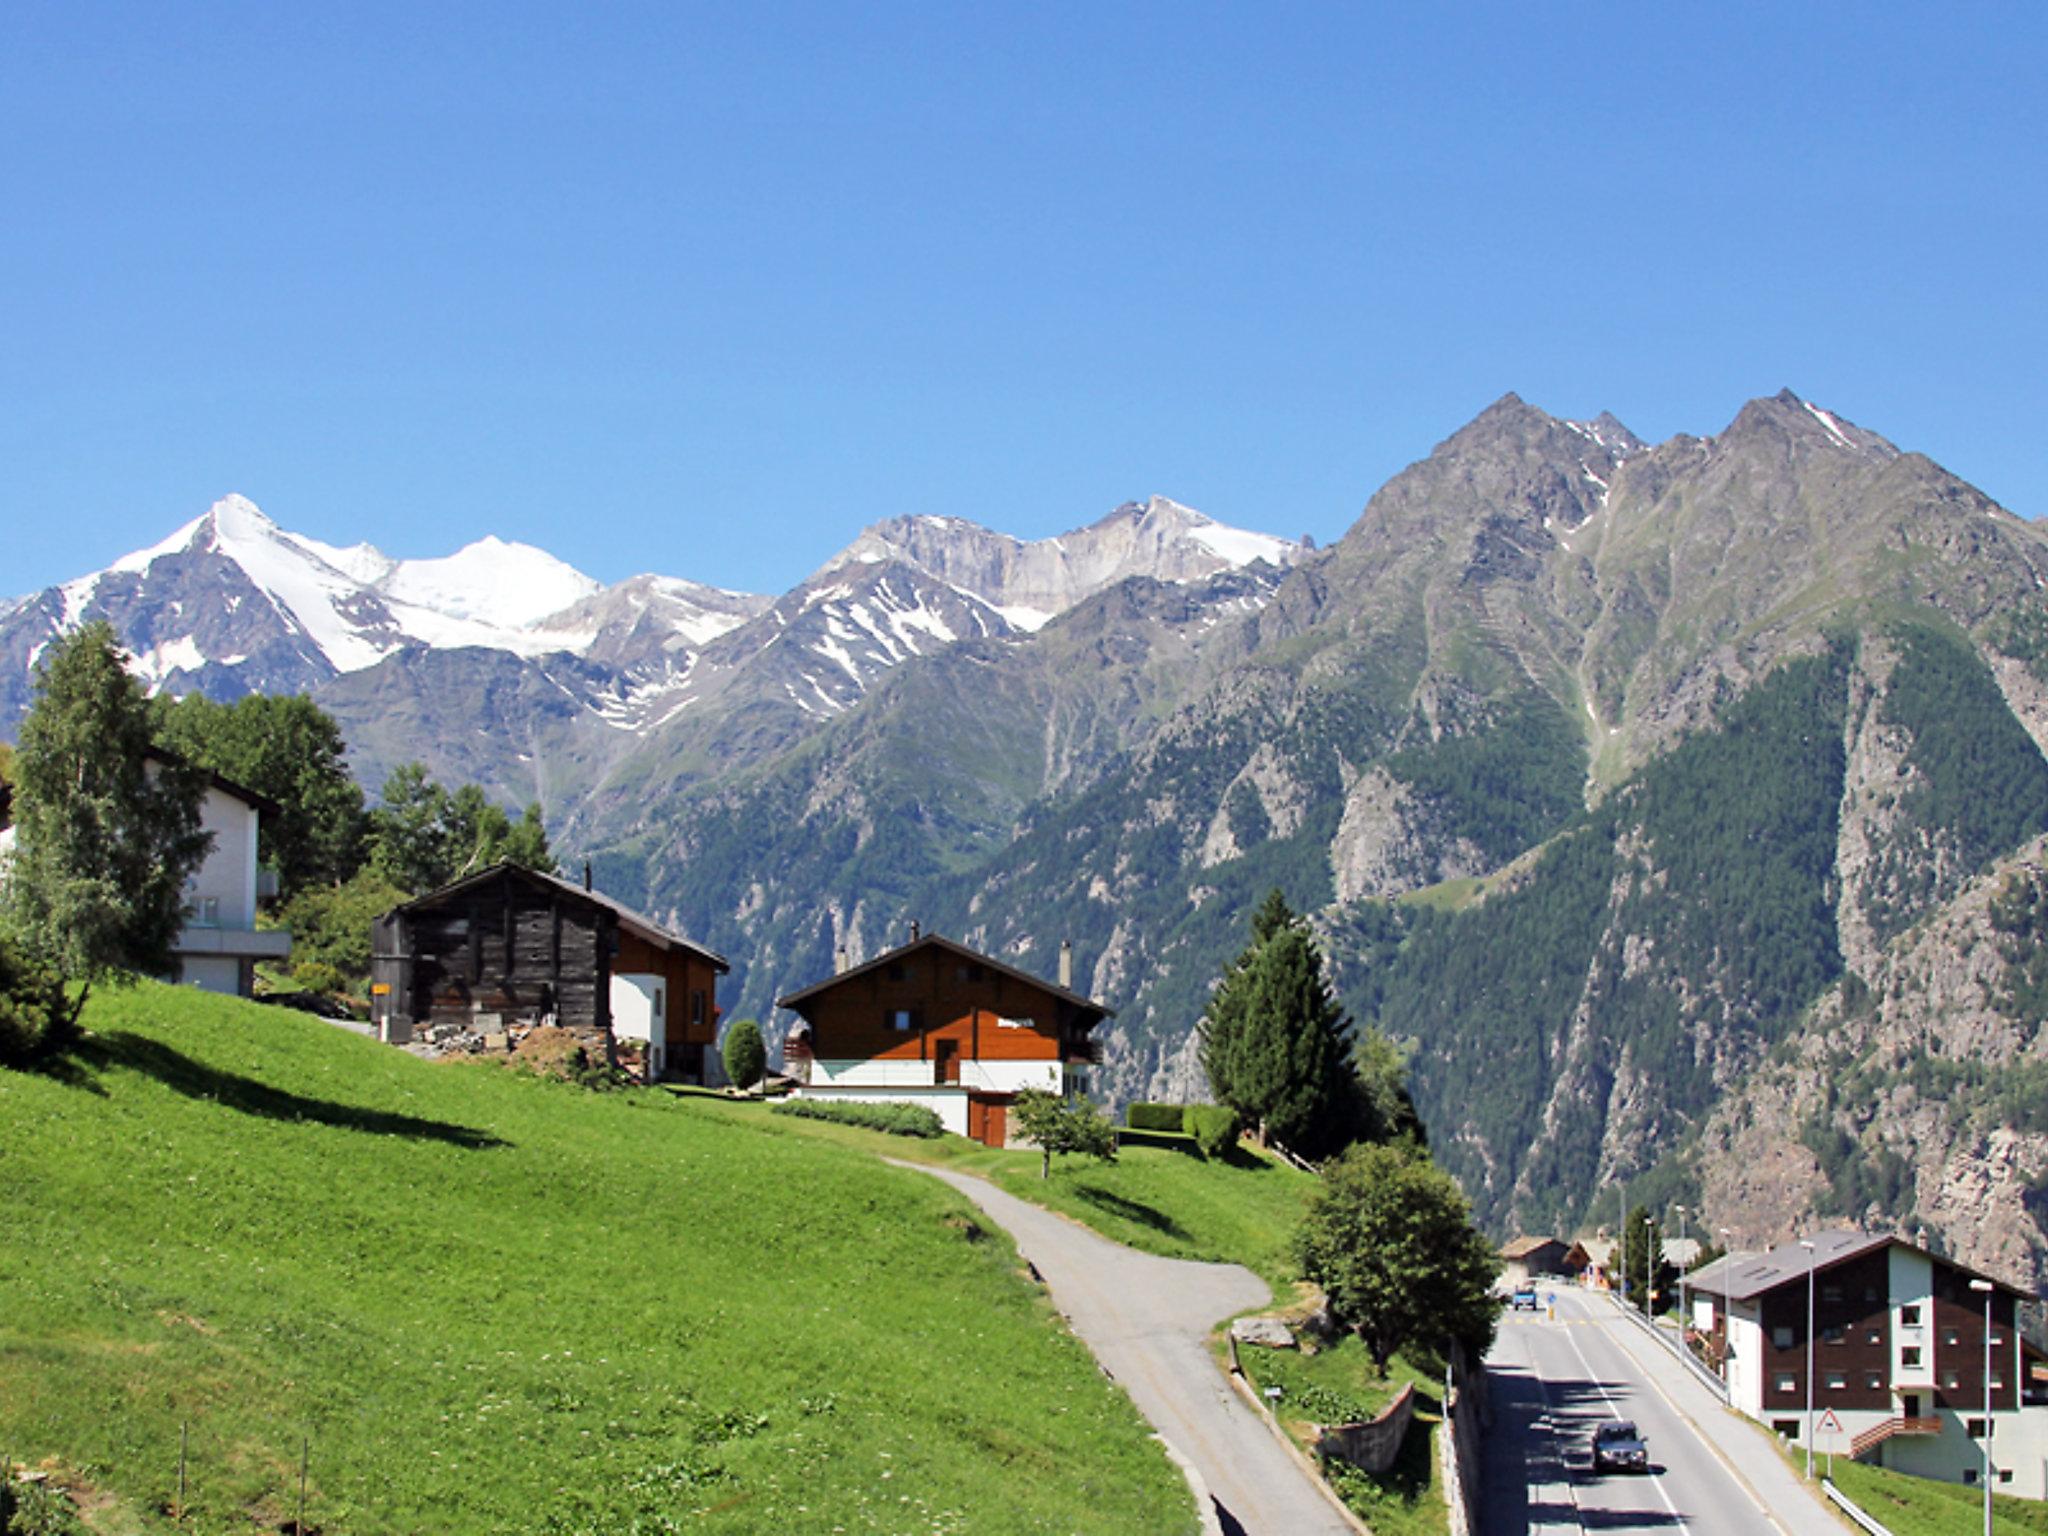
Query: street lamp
point(1684, 1317)
point(1987, 1288)
point(1808, 1246)
point(1649, 1260)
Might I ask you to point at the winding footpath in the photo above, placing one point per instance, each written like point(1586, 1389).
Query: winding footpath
point(1148, 1320)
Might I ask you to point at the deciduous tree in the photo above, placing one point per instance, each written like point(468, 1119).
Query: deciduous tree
point(1389, 1237)
point(1063, 1126)
point(423, 837)
point(107, 826)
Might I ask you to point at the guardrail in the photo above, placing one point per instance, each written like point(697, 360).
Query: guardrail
point(1843, 1502)
point(1676, 1346)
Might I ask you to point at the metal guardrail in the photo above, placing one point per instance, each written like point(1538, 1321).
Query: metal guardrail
point(1843, 1502)
point(1675, 1346)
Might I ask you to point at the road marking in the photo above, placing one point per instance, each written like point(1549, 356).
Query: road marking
point(1550, 1435)
point(1705, 1439)
point(1656, 1481)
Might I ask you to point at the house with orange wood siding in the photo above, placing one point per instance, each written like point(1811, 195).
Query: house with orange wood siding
point(939, 1024)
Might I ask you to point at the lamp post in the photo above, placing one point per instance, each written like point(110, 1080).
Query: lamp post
point(1808, 1246)
point(1988, 1289)
point(1649, 1271)
point(1684, 1317)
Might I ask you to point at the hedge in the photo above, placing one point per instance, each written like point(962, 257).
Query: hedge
point(896, 1119)
point(1153, 1117)
point(1214, 1128)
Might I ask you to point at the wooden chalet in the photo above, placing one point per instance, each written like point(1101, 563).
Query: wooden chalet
point(939, 1024)
point(508, 949)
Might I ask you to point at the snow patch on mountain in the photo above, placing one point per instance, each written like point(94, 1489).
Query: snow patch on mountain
point(493, 582)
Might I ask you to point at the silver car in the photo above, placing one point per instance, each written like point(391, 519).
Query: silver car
point(1618, 1446)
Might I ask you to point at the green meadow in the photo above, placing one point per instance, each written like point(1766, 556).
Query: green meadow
point(481, 1302)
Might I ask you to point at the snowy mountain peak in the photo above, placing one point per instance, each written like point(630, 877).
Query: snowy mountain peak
point(492, 581)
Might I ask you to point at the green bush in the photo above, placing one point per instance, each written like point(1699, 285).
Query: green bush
point(1214, 1127)
point(35, 1018)
point(744, 1053)
point(1153, 1117)
point(896, 1119)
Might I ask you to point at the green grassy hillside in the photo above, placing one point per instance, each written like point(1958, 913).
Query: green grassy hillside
point(496, 1304)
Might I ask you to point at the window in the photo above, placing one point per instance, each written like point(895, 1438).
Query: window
point(2005, 1474)
point(1781, 1337)
point(206, 912)
point(696, 1007)
point(1952, 1382)
point(1874, 1380)
point(1910, 1355)
point(1836, 1381)
point(1997, 1381)
point(1974, 1428)
point(1784, 1381)
point(1969, 1476)
point(1910, 1316)
point(1788, 1428)
point(1831, 1293)
point(1870, 1293)
point(903, 1020)
point(660, 1011)
point(1950, 1337)
point(1873, 1337)
point(1834, 1335)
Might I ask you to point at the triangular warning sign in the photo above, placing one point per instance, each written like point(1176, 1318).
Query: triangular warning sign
point(1829, 1424)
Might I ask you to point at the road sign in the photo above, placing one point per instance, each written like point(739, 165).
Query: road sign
point(1829, 1438)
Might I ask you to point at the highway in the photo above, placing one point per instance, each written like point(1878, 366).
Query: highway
point(1553, 1379)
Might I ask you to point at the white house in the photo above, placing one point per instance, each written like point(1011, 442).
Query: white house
point(220, 944)
point(1898, 1351)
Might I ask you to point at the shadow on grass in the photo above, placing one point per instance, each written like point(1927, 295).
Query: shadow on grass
point(1131, 1210)
point(196, 1080)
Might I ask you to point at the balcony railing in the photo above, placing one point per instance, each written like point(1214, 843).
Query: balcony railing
point(1877, 1434)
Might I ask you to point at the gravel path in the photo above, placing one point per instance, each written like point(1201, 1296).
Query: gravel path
point(1147, 1319)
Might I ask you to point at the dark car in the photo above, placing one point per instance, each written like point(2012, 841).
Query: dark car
point(1617, 1445)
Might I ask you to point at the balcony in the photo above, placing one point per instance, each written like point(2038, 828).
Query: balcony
point(251, 943)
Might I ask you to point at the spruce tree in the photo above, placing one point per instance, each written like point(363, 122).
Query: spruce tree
point(1277, 1045)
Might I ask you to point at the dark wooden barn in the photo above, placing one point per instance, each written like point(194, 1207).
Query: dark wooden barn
point(507, 950)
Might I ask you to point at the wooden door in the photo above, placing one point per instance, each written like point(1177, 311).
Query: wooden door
point(946, 1061)
point(995, 1120)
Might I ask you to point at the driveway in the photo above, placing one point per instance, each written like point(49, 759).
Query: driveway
point(1148, 1320)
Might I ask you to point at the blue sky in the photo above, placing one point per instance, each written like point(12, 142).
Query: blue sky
point(704, 289)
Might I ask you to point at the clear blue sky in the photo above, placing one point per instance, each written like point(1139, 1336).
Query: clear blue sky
point(703, 289)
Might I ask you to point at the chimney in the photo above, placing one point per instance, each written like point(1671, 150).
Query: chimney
point(586, 874)
point(839, 961)
point(1067, 964)
point(915, 933)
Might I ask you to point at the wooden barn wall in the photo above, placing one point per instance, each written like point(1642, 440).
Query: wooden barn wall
point(510, 950)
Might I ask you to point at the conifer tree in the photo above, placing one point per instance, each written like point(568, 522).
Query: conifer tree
point(1275, 1042)
point(108, 827)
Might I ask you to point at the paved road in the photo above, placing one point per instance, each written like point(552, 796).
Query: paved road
point(1711, 1472)
point(1147, 1319)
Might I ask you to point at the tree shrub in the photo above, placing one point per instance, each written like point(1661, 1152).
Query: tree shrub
point(1154, 1117)
point(744, 1053)
point(1053, 1124)
point(34, 1017)
point(1215, 1127)
point(896, 1119)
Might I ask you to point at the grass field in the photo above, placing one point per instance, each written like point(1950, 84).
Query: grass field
point(1158, 1199)
point(495, 1304)
point(1918, 1506)
point(1340, 1386)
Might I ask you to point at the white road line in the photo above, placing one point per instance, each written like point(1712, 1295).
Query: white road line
point(1564, 1474)
point(1707, 1440)
point(1656, 1480)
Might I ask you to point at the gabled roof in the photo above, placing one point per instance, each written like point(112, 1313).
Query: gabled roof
point(633, 922)
point(1086, 1005)
point(1746, 1276)
point(1522, 1247)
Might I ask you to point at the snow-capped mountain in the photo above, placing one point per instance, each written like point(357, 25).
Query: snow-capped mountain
point(232, 603)
point(1031, 581)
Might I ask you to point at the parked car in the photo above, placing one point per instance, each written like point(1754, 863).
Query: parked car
point(1524, 1299)
point(1618, 1445)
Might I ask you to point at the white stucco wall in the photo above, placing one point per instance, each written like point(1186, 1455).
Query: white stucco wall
point(865, 1073)
point(1010, 1076)
point(1912, 1285)
point(638, 1002)
point(1745, 1363)
point(228, 874)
